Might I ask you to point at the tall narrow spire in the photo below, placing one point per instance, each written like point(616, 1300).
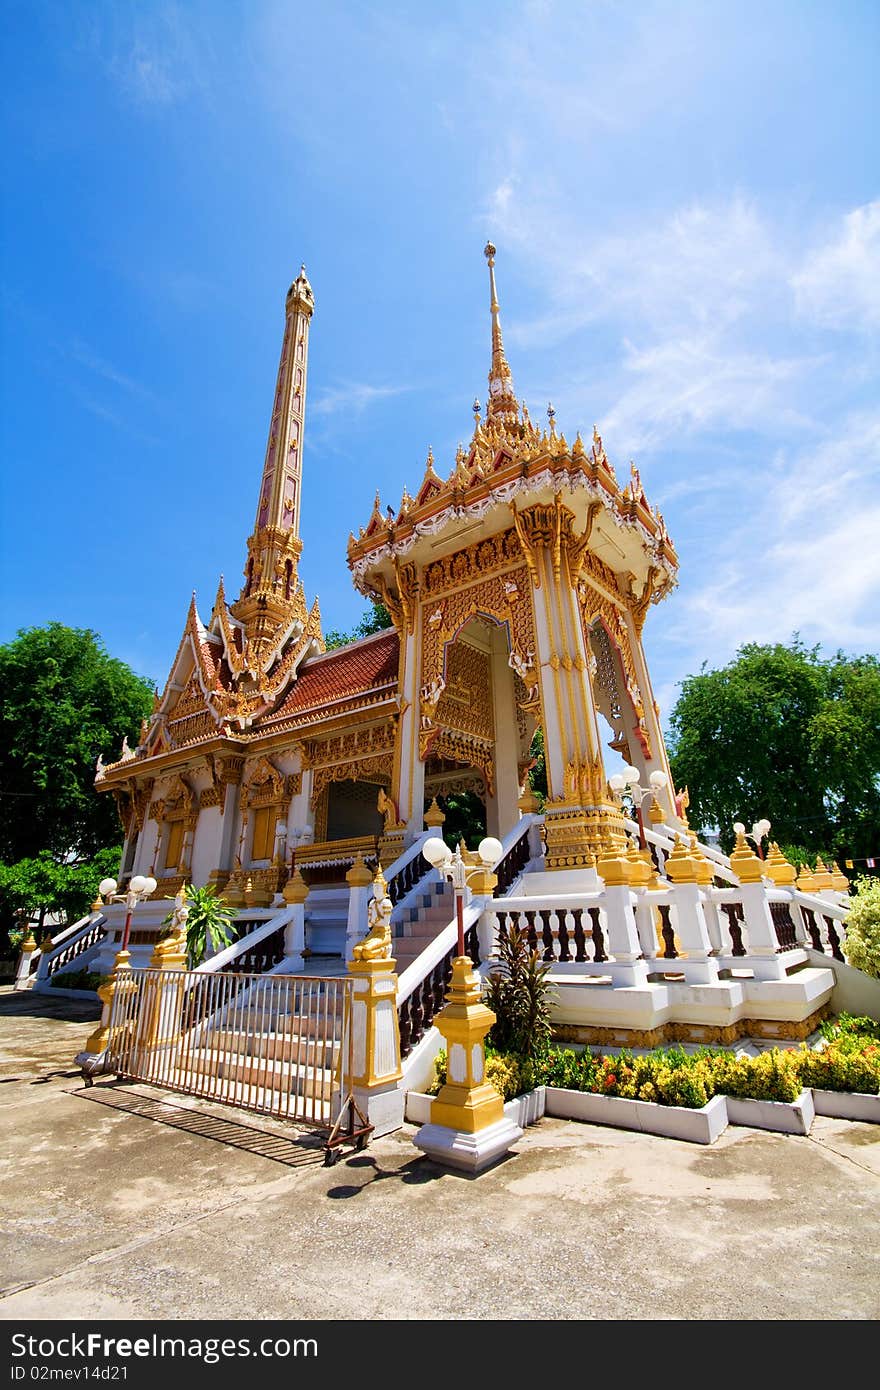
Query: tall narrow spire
point(282, 470)
point(502, 403)
point(272, 593)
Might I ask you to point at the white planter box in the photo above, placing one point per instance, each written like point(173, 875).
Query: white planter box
point(671, 1121)
point(787, 1118)
point(847, 1105)
point(528, 1108)
point(522, 1110)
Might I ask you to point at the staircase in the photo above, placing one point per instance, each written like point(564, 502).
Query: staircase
point(287, 1064)
point(426, 914)
point(326, 920)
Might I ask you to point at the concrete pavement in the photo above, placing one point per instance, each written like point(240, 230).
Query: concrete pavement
point(122, 1202)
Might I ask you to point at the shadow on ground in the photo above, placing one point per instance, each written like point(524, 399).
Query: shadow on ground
point(294, 1152)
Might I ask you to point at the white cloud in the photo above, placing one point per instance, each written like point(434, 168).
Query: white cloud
point(839, 284)
point(351, 398)
point(685, 385)
point(83, 354)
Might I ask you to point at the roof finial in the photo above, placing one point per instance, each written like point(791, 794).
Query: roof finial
point(502, 403)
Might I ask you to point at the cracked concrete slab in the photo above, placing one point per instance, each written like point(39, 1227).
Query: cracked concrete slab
point(122, 1202)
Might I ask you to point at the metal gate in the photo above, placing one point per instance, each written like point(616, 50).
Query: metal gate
point(270, 1043)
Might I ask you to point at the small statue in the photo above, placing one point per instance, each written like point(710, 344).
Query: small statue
point(388, 810)
point(376, 945)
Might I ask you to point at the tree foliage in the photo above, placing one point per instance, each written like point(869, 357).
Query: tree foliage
point(784, 733)
point(32, 888)
point(376, 619)
point(63, 700)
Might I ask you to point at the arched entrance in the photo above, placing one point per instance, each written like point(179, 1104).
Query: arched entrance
point(479, 749)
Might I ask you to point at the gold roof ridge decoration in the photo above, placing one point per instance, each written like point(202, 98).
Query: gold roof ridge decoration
point(509, 455)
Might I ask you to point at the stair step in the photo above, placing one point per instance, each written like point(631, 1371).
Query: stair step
point(275, 1046)
point(271, 1075)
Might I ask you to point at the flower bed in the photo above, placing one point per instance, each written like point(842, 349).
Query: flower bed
point(692, 1095)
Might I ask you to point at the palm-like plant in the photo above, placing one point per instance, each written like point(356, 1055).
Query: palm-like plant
point(518, 993)
point(208, 923)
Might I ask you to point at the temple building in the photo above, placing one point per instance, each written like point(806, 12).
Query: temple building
point(518, 577)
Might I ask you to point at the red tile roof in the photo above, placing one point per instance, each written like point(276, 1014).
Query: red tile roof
point(367, 665)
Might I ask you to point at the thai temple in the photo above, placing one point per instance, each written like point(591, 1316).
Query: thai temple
point(518, 581)
point(308, 787)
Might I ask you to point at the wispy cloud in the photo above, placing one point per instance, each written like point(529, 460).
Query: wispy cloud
point(838, 285)
point(157, 55)
point(351, 398)
point(80, 352)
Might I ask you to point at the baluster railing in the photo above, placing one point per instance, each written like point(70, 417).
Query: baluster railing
point(562, 932)
point(547, 934)
point(669, 951)
point(833, 938)
point(580, 940)
point(406, 878)
point(511, 865)
point(813, 929)
point(783, 923)
point(258, 959)
point(598, 937)
point(734, 914)
point(417, 1012)
point(77, 947)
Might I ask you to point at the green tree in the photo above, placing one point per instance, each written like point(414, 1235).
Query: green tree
point(782, 732)
point(376, 619)
point(33, 887)
point(63, 700)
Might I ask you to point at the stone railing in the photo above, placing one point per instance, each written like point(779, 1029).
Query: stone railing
point(421, 989)
point(408, 870)
point(70, 945)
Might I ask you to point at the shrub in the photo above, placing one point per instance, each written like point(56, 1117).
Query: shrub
point(863, 926)
point(78, 979)
point(847, 1026)
point(771, 1075)
point(841, 1068)
point(509, 1074)
point(518, 993)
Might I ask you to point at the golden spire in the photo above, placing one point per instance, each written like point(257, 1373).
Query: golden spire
point(502, 403)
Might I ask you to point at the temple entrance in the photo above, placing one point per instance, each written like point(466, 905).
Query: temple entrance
point(615, 703)
point(478, 757)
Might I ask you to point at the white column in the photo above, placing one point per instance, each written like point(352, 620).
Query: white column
point(623, 938)
point(693, 935)
point(761, 941)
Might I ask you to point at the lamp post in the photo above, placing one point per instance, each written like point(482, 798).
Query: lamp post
point(758, 832)
point(627, 782)
point(139, 888)
point(453, 868)
point(468, 1128)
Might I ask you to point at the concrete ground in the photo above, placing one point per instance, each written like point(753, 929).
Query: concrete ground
point(119, 1202)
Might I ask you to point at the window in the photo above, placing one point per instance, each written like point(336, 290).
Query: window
point(175, 844)
point(264, 827)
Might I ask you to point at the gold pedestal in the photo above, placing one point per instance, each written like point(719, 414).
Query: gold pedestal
point(577, 835)
point(467, 1102)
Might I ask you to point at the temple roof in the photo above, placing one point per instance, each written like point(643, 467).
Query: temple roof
point(368, 665)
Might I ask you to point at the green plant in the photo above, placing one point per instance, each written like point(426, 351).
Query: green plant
point(863, 926)
point(78, 979)
point(771, 1075)
point(842, 1067)
point(208, 923)
point(845, 1025)
point(509, 1074)
point(518, 993)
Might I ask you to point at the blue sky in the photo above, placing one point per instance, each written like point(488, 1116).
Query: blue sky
point(685, 202)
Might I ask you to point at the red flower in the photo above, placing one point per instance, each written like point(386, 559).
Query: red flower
point(610, 1080)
